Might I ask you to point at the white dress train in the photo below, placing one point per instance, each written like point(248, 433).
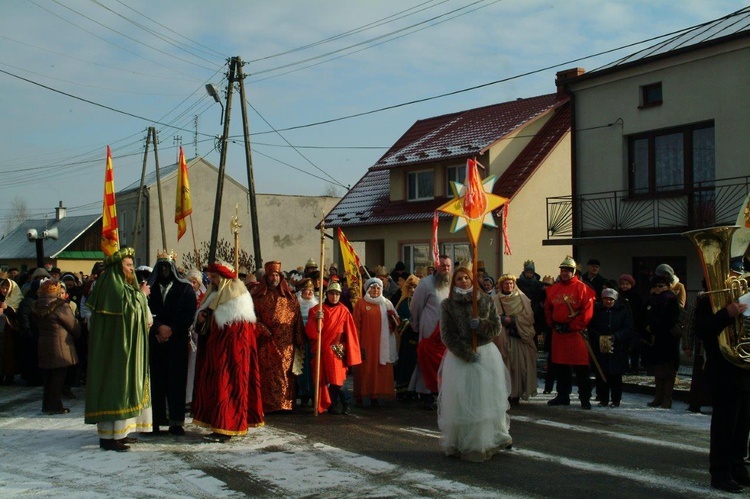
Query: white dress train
point(473, 405)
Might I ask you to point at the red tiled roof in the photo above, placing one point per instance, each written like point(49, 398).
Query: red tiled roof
point(463, 134)
point(457, 135)
point(534, 154)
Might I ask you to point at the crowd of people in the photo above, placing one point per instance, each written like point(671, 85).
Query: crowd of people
point(154, 345)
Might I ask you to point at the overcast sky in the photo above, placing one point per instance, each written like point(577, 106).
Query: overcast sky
point(142, 63)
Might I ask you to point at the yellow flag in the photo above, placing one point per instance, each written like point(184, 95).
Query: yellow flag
point(351, 262)
point(183, 205)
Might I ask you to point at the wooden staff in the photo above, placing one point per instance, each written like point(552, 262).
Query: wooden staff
point(474, 294)
point(320, 320)
point(235, 225)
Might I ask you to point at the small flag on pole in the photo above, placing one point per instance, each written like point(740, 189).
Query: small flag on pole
point(110, 239)
point(183, 205)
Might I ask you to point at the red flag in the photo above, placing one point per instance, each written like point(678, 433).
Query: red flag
point(506, 211)
point(435, 247)
point(110, 239)
point(474, 201)
point(183, 205)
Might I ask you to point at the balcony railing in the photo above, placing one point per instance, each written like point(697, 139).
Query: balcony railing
point(674, 209)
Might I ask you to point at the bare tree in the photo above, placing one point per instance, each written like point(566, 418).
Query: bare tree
point(331, 191)
point(224, 251)
point(18, 213)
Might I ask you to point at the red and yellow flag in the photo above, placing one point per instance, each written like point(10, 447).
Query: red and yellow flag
point(110, 238)
point(351, 261)
point(184, 205)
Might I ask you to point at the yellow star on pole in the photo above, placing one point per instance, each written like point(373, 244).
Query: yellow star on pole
point(481, 216)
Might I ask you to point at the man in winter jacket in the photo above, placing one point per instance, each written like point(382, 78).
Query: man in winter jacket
point(568, 310)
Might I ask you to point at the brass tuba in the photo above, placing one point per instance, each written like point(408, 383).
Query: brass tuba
point(714, 251)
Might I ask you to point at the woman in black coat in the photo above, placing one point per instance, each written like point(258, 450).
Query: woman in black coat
point(662, 313)
point(611, 334)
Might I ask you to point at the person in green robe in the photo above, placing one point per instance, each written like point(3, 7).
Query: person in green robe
point(117, 387)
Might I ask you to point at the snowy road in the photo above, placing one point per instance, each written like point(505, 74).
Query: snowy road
point(392, 451)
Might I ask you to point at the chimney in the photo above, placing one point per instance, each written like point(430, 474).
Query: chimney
point(562, 78)
point(60, 212)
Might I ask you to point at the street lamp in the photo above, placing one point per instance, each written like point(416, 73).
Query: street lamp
point(213, 91)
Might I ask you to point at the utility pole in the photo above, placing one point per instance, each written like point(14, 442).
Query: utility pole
point(250, 179)
point(158, 188)
point(222, 166)
point(235, 75)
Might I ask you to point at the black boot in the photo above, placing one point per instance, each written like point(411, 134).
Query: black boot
point(559, 401)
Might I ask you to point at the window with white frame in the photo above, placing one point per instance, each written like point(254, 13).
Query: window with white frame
point(454, 174)
point(416, 255)
point(420, 185)
point(669, 160)
point(458, 252)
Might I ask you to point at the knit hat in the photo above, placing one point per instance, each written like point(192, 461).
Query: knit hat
point(609, 293)
point(40, 272)
point(373, 281)
point(667, 271)
point(627, 278)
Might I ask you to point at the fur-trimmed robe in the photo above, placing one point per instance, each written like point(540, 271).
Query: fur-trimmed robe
point(455, 314)
point(227, 396)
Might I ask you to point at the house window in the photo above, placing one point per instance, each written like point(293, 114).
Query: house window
point(454, 174)
point(416, 255)
point(421, 185)
point(650, 95)
point(667, 161)
point(459, 252)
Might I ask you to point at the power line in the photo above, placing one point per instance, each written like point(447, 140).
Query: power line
point(295, 149)
point(93, 103)
point(364, 27)
point(136, 54)
point(98, 64)
point(173, 31)
point(365, 42)
point(130, 37)
point(469, 89)
point(150, 31)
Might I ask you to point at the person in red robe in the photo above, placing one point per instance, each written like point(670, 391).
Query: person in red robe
point(568, 309)
point(339, 348)
point(375, 318)
point(227, 397)
point(280, 332)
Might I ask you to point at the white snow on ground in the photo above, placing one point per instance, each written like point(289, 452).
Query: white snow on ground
point(59, 456)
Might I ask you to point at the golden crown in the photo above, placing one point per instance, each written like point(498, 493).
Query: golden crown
point(163, 255)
